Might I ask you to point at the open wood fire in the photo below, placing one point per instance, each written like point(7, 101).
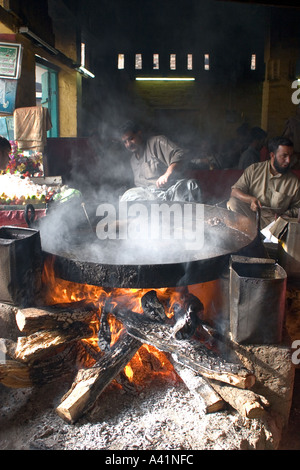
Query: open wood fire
point(104, 334)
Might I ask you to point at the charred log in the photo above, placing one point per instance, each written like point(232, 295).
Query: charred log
point(190, 353)
point(153, 308)
point(188, 315)
point(8, 326)
point(104, 334)
point(60, 365)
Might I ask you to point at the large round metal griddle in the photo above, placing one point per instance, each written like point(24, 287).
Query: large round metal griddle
point(155, 263)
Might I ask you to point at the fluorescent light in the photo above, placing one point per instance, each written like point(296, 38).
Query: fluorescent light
point(166, 79)
point(86, 71)
point(26, 31)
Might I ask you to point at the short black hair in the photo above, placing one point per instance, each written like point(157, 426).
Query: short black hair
point(277, 141)
point(129, 126)
point(4, 143)
point(257, 133)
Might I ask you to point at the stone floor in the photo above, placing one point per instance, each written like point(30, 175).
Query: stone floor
point(163, 415)
point(291, 435)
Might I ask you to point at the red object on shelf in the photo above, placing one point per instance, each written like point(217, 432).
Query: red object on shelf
point(16, 217)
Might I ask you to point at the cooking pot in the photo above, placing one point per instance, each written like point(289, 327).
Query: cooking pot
point(80, 256)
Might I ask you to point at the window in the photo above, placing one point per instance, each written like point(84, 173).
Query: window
point(155, 61)
point(206, 61)
point(173, 61)
point(190, 61)
point(121, 61)
point(253, 62)
point(138, 61)
point(82, 54)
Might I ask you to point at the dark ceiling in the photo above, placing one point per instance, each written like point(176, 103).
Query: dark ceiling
point(274, 3)
point(229, 30)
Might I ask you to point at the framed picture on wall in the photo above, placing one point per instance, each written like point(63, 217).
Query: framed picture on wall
point(8, 90)
point(10, 60)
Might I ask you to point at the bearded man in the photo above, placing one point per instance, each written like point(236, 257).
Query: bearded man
point(270, 186)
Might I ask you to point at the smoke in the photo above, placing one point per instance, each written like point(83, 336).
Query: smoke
point(102, 172)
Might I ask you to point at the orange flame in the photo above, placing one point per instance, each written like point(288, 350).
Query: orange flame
point(148, 362)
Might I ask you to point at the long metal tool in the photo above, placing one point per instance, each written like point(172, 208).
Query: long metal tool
point(87, 217)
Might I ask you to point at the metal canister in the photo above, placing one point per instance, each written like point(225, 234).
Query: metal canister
point(20, 265)
point(257, 290)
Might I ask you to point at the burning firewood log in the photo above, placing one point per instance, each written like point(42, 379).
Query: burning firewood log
point(153, 308)
point(190, 353)
point(187, 316)
point(104, 334)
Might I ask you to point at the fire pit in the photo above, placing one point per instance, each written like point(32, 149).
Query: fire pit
point(158, 304)
point(53, 349)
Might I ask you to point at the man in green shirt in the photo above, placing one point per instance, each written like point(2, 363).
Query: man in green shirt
point(269, 185)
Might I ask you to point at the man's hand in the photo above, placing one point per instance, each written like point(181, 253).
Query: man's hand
point(251, 200)
point(254, 204)
point(162, 180)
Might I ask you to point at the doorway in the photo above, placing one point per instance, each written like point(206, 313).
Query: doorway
point(46, 86)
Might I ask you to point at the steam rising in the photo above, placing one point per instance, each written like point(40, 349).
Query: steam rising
point(66, 231)
point(103, 172)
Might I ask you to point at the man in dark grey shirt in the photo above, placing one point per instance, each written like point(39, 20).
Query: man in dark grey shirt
point(252, 153)
point(157, 164)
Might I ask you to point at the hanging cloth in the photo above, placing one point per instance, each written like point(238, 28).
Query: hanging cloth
point(30, 127)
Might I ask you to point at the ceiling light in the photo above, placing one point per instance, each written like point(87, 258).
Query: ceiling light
point(85, 71)
point(26, 31)
point(166, 79)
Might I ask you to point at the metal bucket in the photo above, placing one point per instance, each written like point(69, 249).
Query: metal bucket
point(20, 265)
point(257, 290)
